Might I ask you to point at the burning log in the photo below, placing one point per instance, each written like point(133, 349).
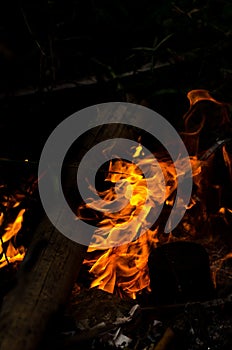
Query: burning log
point(47, 274)
point(43, 284)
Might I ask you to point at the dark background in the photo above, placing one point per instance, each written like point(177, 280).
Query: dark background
point(57, 57)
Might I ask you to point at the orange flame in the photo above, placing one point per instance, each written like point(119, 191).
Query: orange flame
point(11, 254)
point(123, 269)
point(195, 96)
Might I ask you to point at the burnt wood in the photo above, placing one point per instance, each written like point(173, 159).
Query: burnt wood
point(44, 282)
point(49, 270)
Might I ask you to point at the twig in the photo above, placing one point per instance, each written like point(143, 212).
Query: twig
point(178, 308)
point(30, 31)
point(166, 340)
point(180, 325)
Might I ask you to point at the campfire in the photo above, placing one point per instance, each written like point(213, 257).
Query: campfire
point(152, 270)
point(124, 269)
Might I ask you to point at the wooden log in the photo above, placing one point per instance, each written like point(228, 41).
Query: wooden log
point(47, 274)
point(44, 282)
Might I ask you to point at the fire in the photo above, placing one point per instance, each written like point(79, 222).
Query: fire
point(8, 252)
point(195, 96)
point(122, 268)
point(14, 203)
point(119, 250)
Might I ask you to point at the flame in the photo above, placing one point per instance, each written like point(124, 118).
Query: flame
point(123, 268)
point(11, 253)
point(204, 121)
point(227, 159)
point(217, 265)
point(197, 95)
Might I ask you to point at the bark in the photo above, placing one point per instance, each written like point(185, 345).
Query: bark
point(48, 272)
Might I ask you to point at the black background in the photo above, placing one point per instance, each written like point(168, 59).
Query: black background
point(57, 57)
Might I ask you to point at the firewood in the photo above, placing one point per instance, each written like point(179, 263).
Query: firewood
point(44, 282)
point(49, 270)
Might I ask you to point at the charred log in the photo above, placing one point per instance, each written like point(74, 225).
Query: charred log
point(49, 270)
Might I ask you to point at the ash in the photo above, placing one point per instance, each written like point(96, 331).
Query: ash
point(98, 320)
